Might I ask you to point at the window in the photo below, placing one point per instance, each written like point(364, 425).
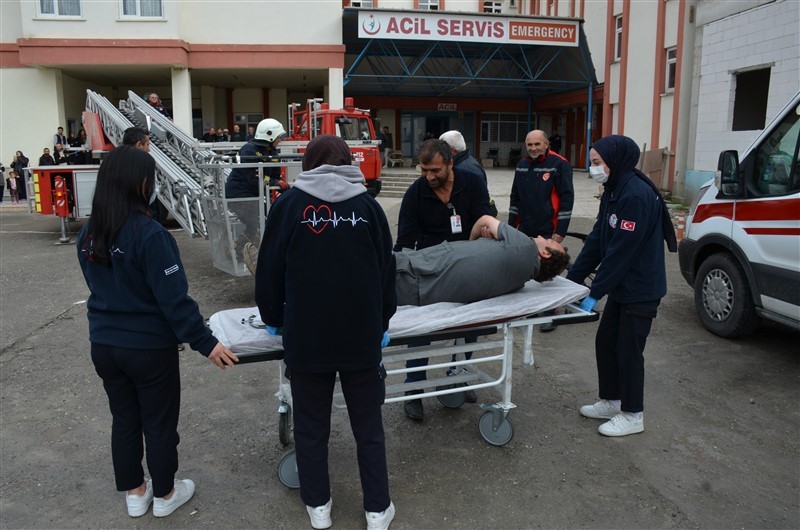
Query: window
point(141, 8)
point(551, 7)
point(750, 103)
point(504, 127)
point(777, 167)
point(430, 5)
point(493, 7)
point(361, 3)
point(618, 39)
point(672, 60)
point(60, 8)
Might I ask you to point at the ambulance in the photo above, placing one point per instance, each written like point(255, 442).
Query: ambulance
point(741, 250)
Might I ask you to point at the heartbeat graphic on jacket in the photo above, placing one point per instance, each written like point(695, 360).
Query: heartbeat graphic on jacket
point(334, 219)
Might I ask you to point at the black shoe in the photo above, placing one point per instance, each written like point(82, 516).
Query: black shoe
point(470, 397)
point(546, 328)
point(414, 409)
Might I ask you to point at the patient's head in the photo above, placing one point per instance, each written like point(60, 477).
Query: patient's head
point(553, 259)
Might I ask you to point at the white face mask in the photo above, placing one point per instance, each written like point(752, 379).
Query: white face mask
point(598, 174)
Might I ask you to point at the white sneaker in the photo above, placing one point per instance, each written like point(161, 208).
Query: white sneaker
point(183, 491)
point(602, 410)
point(139, 504)
point(622, 424)
point(321, 515)
point(380, 520)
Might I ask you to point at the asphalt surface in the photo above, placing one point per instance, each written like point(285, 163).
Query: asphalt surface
point(721, 447)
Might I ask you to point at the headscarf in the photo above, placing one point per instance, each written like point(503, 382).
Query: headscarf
point(621, 154)
point(326, 149)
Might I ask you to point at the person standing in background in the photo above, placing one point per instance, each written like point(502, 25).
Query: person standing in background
point(19, 164)
point(555, 142)
point(59, 138)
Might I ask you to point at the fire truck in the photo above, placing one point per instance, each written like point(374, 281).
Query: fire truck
point(352, 124)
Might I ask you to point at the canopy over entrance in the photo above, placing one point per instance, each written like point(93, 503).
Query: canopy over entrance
point(441, 54)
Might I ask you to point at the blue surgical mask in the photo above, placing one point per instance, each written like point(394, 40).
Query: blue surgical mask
point(598, 174)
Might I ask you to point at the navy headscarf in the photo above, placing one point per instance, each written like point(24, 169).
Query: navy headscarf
point(621, 155)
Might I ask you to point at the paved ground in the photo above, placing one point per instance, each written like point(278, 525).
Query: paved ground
point(721, 447)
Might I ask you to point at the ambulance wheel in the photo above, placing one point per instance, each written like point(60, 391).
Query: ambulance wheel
point(285, 428)
point(499, 437)
point(723, 299)
point(287, 471)
point(451, 401)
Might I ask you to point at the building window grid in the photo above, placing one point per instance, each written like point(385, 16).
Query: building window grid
point(618, 38)
point(362, 3)
point(141, 8)
point(59, 8)
point(430, 5)
point(493, 7)
point(672, 61)
point(503, 128)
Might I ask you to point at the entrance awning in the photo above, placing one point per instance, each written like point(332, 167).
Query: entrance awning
point(441, 54)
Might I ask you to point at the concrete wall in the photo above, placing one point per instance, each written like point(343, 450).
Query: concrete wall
point(764, 36)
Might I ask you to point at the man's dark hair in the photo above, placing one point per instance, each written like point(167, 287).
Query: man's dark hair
point(431, 148)
point(551, 267)
point(134, 135)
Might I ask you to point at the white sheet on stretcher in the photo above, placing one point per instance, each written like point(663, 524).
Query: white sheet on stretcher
point(232, 326)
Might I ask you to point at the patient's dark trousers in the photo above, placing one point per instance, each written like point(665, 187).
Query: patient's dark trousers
point(619, 347)
point(312, 397)
point(144, 394)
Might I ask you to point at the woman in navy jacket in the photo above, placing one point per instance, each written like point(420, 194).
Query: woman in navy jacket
point(627, 243)
point(326, 280)
point(139, 312)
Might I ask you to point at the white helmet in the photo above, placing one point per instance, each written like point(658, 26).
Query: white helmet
point(269, 130)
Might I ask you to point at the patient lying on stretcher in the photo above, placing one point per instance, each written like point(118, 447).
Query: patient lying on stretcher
point(497, 260)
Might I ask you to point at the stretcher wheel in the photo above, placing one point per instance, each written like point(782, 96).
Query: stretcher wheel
point(285, 428)
point(451, 401)
point(287, 471)
point(498, 437)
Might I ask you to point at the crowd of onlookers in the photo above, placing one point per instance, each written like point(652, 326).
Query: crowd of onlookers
point(225, 135)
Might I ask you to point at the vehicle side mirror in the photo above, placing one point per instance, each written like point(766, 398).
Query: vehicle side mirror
point(728, 180)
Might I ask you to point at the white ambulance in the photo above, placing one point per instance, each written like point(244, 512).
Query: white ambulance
point(741, 250)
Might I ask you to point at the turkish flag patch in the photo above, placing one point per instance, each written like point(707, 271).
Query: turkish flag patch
point(630, 226)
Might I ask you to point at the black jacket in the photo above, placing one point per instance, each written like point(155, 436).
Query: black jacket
point(542, 196)
point(424, 220)
point(326, 272)
point(244, 182)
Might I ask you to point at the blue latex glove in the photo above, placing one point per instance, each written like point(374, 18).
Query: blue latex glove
point(588, 303)
point(385, 339)
point(274, 331)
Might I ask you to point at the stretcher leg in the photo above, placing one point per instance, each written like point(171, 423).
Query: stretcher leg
point(285, 423)
point(527, 346)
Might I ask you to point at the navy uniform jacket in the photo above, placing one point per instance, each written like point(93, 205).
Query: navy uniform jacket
point(141, 301)
point(424, 219)
point(244, 182)
point(542, 196)
point(627, 242)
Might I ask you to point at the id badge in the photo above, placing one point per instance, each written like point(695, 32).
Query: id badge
point(455, 224)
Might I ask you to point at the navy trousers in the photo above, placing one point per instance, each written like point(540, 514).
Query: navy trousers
point(144, 394)
point(312, 398)
point(619, 347)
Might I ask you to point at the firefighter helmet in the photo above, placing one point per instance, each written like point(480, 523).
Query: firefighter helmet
point(269, 130)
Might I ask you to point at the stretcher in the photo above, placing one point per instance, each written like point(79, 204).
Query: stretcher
point(429, 332)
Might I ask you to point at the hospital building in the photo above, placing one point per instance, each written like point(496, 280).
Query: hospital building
point(684, 78)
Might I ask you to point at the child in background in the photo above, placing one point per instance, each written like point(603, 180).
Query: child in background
point(11, 183)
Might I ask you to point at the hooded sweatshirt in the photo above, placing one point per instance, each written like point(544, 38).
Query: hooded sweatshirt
point(627, 241)
point(326, 273)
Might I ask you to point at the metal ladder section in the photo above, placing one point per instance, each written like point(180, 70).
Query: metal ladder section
point(180, 191)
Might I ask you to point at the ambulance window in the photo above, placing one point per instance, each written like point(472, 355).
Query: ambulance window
point(776, 163)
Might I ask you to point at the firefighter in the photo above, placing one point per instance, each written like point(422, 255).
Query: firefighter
point(244, 182)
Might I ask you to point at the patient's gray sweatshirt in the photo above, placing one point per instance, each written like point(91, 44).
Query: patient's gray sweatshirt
point(466, 271)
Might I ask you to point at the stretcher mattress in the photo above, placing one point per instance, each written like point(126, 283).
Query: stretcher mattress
point(233, 326)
